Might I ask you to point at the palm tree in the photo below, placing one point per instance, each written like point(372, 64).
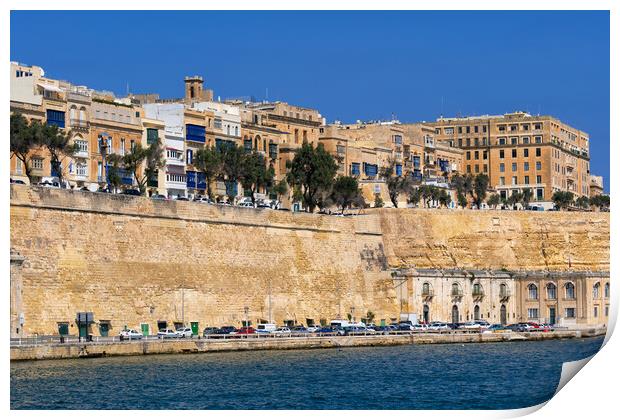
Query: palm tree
point(526, 197)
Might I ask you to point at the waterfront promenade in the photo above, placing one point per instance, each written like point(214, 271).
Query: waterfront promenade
point(33, 349)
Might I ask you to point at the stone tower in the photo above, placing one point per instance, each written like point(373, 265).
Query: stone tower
point(194, 90)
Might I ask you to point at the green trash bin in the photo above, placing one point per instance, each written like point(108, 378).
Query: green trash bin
point(195, 328)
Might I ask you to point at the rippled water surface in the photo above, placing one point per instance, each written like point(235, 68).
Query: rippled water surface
point(470, 376)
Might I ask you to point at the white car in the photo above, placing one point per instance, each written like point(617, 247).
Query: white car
point(282, 330)
point(418, 327)
point(437, 326)
point(131, 335)
point(313, 329)
point(167, 334)
point(185, 332)
point(246, 204)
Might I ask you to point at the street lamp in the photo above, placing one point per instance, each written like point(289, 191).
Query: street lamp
point(245, 310)
point(352, 313)
point(103, 149)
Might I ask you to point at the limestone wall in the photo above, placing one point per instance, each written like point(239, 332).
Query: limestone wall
point(495, 239)
point(133, 260)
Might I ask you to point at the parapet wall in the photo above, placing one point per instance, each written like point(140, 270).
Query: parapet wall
point(135, 260)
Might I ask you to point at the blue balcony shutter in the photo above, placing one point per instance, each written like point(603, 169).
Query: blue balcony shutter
point(247, 144)
point(195, 133)
point(191, 179)
point(399, 170)
point(202, 181)
point(355, 169)
point(56, 118)
point(416, 161)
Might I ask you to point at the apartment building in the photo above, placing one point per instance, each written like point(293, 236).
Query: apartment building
point(518, 150)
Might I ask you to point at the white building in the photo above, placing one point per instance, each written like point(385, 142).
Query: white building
point(174, 145)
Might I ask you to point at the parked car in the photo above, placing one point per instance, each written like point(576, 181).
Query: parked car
point(130, 335)
point(521, 327)
point(494, 327)
point(314, 328)
point(245, 330)
point(282, 330)
point(453, 326)
point(184, 332)
point(265, 328)
point(533, 325)
point(167, 333)
point(299, 329)
point(209, 331)
point(419, 327)
point(438, 326)
point(181, 198)
point(159, 197)
point(204, 200)
point(545, 328)
point(325, 330)
point(246, 205)
point(223, 331)
point(17, 181)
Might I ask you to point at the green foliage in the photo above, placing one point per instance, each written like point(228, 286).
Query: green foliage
point(444, 198)
point(344, 191)
point(583, 202)
point(480, 184)
point(462, 200)
point(562, 199)
point(255, 174)
point(600, 201)
point(493, 200)
point(527, 195)
point(57, 143)
point(515, 197)
point(232, 165)
point(370, 317)
point(414, 196)
point(378, 200)
point(143, 162)
point(209, 160)
point(395, 184)
point(23, 140)
point(280, 188)
point(310, 172)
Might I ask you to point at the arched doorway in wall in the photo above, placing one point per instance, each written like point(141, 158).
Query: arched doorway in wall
point(476, 312)
point(502, 315)
point(426, 314)
point(455, 314)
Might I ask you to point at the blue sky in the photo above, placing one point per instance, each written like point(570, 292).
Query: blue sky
point(349, 65)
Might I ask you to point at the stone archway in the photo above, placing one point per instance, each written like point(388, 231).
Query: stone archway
point(426, 314)
point(455, 314)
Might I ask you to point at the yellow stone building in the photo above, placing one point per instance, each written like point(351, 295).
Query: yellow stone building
point(518, 151)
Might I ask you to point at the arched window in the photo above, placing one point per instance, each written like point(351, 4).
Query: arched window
point(456, 290)
point(551, 291)
point(607, 290)
point(532, 291)
point(477, 290)
point(570, 291)
point(476, 312)
point(72, 113)
point(82, 114)
point(426, 289)
point(596, 290)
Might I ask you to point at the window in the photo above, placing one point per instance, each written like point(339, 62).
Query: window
point(538, 179)
point(468, 169)
point(398, 139)
point(485, 155)
point(514, 166)
point(151, 136)
point(18, 166)
point(526, 166)
point(537, 126)
point(476, 168)
point(532, 313)
point(426, 289)
point(132, 145)
point(596, 312)
point(526, 140)
point(486, 168)
point(569, 313)
point(501, 167)
point(606, 310)
point(514, 140)
point(538, 139)
point(81, 169)
point(468, 154)
point(81, 145)
point(476, 155)
point(514, 153)
point(596, 291)
point(539, 193)
point(190, 155)
point(551, 291)
point(460, 130)
point(355, 168)
point(37, 163)
point(501, 141)
point(538, 152)
point(538, 166)
point(217, 123)
point(449, 131)
point(501, 128)
point(501, 154)
point(56, 118)
point(570, 291)
point(122, 147)
point(513, 127)
point(514, 180)
point(468, 142)
point(532, 291)
point(526, 152)
point(273, 150)
point(525, 127)
point(606, 290)
point(196, 132)
point(502, 180)
point(526, 180)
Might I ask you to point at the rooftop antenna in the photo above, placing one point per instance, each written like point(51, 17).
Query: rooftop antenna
point(539, 110)
point(266, 94)
point(441, 115)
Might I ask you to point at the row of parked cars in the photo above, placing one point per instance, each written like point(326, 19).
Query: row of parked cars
point(340, 328)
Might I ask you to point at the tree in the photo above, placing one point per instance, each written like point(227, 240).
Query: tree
point(344, 191)
point(444, 198)
point(462, 200)
point(493, 200)
point(23, 140)
point(583, 202)
point(562, 199)
point(280, 189)
point(58, 145)
point(209, 161)
point(396, 184)
point(143, 163)
point(515, 198)
point(480, 185)
point(414, 196)
point(232, 168)
point(255, 174)
point(526, 197)
point(370, 317)
point(600, 201)
point(378, 200)
point(311, 171)
point(113, 171)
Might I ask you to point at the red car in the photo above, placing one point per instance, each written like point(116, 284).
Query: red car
point(533, 325)
point(246, 330)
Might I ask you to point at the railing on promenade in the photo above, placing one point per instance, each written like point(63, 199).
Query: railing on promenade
point(96, 340)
